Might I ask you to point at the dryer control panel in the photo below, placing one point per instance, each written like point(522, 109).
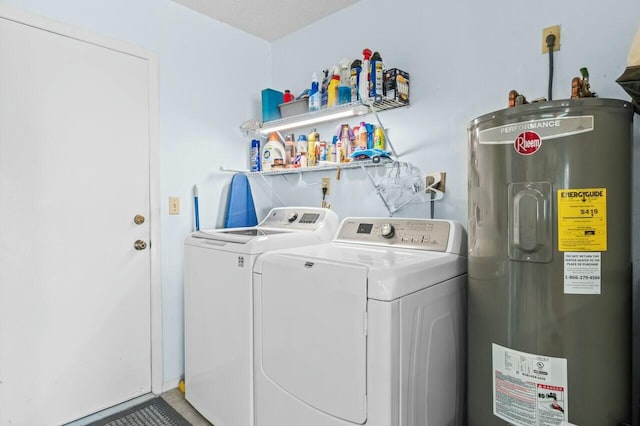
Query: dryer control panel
point(422, 234)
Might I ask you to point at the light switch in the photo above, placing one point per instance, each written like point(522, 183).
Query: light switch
point(174, 205)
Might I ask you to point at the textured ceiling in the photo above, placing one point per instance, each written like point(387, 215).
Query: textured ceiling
point(267, 19)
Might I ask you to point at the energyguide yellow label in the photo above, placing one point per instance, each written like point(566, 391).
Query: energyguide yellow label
point(582, 219)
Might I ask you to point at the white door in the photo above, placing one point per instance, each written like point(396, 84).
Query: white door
point(74, 171)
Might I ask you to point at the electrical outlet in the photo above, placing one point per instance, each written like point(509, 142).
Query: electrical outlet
point(441, 185)
point(436, 181)
point(555, 30)
point(326, 183)
point(174, 205)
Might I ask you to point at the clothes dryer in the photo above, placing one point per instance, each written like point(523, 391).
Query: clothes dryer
point(365, 330)
point(218, 306)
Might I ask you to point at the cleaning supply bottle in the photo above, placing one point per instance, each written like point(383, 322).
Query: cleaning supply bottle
point(370, 130)
point(273, 153)
point(314, 137)
point(363, 86)
point(376, 76)
point(333, 151)
point(345, 143)
point(332, 99)
point(302, 152)
point(256, 164)
point(378, 138)
point(290, 150)
point(314, 93)
point(361, 138)
point(344, 88)
point(288, 96)
point(356, 67)
point(324, 89)
point(322, 154)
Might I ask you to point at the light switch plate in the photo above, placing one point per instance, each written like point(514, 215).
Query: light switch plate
point(174, 205)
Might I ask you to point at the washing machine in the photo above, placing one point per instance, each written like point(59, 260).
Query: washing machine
point(367, 329)
point(218, 306)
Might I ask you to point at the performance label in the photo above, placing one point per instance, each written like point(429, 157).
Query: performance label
point(529, 389)
point(582, 272)
point(582, 219)
point(544, 129)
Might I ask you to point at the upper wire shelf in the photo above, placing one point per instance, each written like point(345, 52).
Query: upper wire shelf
point(352, 109)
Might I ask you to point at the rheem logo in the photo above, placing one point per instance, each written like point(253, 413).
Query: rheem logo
point(527, 143)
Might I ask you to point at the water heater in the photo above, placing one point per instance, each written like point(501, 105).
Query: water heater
point(549, 298)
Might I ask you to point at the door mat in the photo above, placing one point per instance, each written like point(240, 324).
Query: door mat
point(154, 412)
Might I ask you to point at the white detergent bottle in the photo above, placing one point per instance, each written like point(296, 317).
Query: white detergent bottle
point(273, 153)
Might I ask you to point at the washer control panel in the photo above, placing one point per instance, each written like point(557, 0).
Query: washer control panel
point(423, 234)
point(294, 218)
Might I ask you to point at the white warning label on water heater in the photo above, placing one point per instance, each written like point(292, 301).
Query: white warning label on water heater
point(582, 272)
point(529, 389)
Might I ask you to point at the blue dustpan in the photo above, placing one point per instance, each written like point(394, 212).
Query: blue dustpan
point(240, 209)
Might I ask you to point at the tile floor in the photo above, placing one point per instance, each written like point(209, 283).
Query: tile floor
point(175, 398)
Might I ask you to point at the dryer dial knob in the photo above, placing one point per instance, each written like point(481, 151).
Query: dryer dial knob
point(292, 217)
point(387, 230)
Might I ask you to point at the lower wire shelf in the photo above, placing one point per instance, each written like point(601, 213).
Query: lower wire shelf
point(400, 177)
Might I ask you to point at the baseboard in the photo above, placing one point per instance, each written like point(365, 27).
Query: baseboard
point(171, 384)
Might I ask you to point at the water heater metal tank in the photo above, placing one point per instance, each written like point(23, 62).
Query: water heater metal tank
point(549, 336)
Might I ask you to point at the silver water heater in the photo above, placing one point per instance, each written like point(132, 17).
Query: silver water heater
point(549, 326)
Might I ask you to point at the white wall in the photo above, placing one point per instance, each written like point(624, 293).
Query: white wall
point(210, 77)
point(464, 57)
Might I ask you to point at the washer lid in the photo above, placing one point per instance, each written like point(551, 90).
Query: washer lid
point(237, 235)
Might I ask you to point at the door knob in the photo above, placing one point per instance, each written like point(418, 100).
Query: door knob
point(138, 219)
point(140, 245)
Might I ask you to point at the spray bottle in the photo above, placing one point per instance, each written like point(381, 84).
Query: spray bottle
point(314, 93)
point(324, 89)
point(376, 76)
point(344, 88)
point(356, 67)
point(363, 80)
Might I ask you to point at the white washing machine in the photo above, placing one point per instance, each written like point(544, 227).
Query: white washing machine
point(218, 306)
point(365, 330)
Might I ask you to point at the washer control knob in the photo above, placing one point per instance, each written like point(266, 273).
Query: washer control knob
point(387, 230)
point(292, 217)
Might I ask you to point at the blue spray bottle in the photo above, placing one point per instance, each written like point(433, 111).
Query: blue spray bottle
point(314, 94)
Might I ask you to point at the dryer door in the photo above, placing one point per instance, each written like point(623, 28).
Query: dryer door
point(313, 316)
